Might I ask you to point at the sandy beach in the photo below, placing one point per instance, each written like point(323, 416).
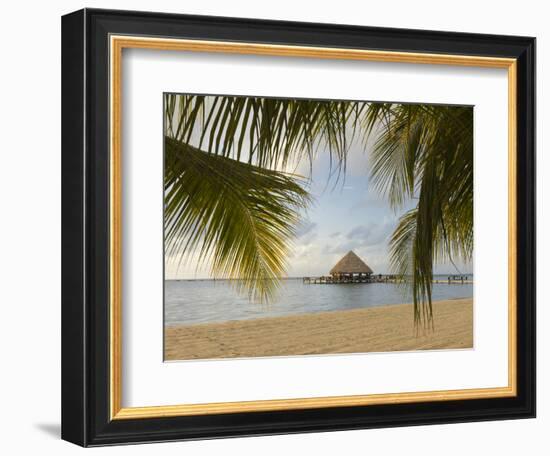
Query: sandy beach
point(379, 329)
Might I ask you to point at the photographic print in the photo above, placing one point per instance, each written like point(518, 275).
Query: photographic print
point(311, 227)
point(299, 205)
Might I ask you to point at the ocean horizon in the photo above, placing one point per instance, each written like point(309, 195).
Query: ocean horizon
point(198, 301)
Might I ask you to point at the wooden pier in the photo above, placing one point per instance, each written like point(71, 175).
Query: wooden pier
point(379, 278)
point(352, 269)
point(334, 280)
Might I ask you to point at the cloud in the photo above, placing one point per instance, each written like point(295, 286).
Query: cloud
point(306, 233)
point(371, 199)
point(363, 237)
point(342, 247)
point(372, 233)
point(361, 231)
point(357, 161)
point(305, 228)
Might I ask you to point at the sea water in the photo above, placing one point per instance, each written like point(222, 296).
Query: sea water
point(188, 302)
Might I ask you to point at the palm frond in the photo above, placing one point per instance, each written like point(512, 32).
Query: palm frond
point(239, 218)
point(272, 133)
point(426, 152)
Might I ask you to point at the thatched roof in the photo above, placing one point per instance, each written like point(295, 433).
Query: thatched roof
point(351, 264)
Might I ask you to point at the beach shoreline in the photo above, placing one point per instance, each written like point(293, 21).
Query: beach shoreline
point(375, 329)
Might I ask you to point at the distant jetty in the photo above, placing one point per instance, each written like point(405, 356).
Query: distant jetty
point(352, 269)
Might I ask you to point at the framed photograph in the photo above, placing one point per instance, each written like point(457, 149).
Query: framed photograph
point(278, 227)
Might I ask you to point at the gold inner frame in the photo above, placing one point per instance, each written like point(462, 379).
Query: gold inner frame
point(117, 44)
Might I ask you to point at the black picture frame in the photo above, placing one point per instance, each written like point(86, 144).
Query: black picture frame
point(85, 228)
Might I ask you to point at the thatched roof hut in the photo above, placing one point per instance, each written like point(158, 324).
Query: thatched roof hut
point(350, 264)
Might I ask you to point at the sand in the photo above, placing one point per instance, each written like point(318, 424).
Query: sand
point(378, 329)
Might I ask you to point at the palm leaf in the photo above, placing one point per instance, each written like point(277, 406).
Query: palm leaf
point(426, 152)
point(240, 218)
point(273, 133)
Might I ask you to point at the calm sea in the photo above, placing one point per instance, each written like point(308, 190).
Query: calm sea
point(206, 301)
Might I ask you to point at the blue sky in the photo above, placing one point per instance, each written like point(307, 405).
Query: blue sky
point(348, 214)
point(351, 215)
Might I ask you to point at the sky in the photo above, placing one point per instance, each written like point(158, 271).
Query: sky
point(345, 215)
point(348, 214)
